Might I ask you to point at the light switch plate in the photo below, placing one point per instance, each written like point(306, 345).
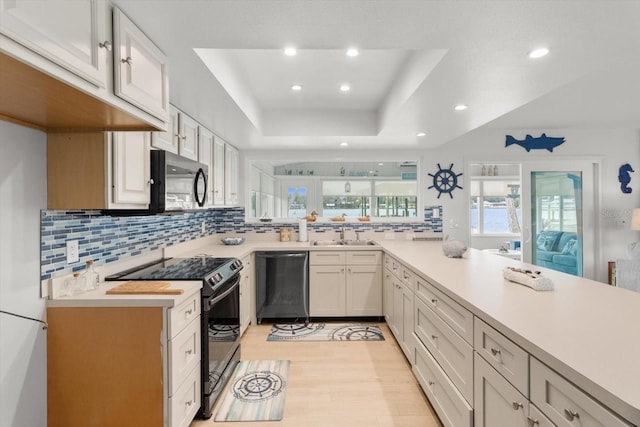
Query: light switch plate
point(73, 252)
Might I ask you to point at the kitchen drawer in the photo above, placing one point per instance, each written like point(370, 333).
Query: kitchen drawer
point(364, 257)
point(393, 265)
point(565, 404)
point(456, 316)
point(184, 354)
point(451, 407)
point(184, 404)
point(409, 278)
point(501, 353)
point(454, 354)
point(327, 258)
point(183, 314)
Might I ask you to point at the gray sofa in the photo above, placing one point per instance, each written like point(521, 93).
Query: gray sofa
point(557, 250)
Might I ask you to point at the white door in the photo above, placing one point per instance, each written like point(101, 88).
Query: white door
point(168, 141)
point(218, 171)
point(141, 70)
point(231, 175)
point(559, 215)
point(70, 33)
point(131, 168)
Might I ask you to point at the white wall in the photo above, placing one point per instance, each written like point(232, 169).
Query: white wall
point(23, 192)
point(614, 147)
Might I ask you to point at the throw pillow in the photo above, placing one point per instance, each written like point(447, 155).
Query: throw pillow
point(547, 239)
point(571, 247)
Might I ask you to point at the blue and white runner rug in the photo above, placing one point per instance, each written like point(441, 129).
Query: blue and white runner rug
point(256, 392)
point(326, 332)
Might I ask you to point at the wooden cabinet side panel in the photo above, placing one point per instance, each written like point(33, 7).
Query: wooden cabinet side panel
point(76, 170)
point(105, 367)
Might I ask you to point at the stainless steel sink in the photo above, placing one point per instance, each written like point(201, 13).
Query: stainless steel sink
point(359, 243)
point(343, 243)
point(327, 243)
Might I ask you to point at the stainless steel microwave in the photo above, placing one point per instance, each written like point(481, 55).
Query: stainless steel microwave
point(179, 184)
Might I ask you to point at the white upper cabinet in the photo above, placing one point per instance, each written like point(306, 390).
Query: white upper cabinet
point(131, 169)
point(205, 156)
point(231, 175)
point(71, 33)
point(188, 143)
point(218, 172)
point(141, 69)
point(168, 140)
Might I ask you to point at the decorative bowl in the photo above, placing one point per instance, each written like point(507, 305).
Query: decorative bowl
point(232, 240)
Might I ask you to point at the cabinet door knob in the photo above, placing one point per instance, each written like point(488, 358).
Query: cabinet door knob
point(151, 182)
point(516, 405)
point(187, 312)
point(533, 422)
point(571, 415)
point(495, 351)
point(106, 45)
point(431, 383)
point(434, 337)
point(189, 403)
point(128, 60)
point(434, 301)
point(187, 352)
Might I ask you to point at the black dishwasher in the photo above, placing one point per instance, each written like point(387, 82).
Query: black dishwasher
point(282, 285)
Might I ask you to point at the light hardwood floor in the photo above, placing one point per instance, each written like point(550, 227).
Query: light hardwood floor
point(336, 384)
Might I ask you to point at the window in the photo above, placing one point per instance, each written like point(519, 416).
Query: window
point(495, 206)
point(371, 197)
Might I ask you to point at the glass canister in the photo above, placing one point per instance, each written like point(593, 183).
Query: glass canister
point(73, 285)
point(285, 234)
point(90, 277)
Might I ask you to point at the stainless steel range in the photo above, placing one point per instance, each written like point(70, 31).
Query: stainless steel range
point(220, 319)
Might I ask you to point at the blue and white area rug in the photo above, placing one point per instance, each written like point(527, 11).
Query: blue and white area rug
point(326, 332)
point(257, 392)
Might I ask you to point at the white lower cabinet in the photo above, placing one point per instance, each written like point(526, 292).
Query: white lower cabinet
point(497, 403)
point(344, 283)
point(565, 404)
point(451, 407)
point(184, 404)
point(454, 354)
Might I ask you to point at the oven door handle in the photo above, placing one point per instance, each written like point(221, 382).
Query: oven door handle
point(212, 302)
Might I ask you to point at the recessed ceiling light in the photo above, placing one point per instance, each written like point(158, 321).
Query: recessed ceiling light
point(352, 52)
point(380, 164)
point(539, 53)
point(290, 51)
point(296, 88)
point(344, 144)
point(421, 134)
point(345, 88)
point(460, 107)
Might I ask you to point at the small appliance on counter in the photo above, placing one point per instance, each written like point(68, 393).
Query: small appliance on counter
point(220, 317)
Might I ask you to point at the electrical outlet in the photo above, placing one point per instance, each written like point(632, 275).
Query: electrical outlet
point(204, 227)
point(73, 252)
point(389, 236)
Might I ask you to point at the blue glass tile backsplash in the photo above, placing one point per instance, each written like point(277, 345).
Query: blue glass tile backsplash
point(107, 239)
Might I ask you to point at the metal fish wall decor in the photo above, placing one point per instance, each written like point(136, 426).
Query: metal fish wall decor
point(542, 142)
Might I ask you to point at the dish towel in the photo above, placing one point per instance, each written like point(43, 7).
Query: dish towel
point(532, 279)
point(628, 274)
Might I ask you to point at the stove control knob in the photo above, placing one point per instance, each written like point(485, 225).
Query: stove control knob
point(216, 278)
point(237, 264)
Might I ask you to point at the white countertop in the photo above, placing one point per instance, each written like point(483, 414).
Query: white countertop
point(98, 298)
point(585, 330)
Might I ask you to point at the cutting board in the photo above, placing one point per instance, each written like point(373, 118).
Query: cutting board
point(144, 287)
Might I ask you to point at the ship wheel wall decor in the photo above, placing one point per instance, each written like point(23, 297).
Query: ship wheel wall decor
point(445, 180)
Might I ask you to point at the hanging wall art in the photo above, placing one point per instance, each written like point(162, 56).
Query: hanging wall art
point(542, 142)
point(625, 178)
point(445, 181)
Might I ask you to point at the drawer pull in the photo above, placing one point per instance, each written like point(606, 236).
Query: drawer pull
point(434, 337)
point(431, 383)
point(434, 301)
point(187, 352)
point(516, 405)
point(189, 403)
point(570, 415)
point(533, 422)
point(495, 351)
point(188, 312)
